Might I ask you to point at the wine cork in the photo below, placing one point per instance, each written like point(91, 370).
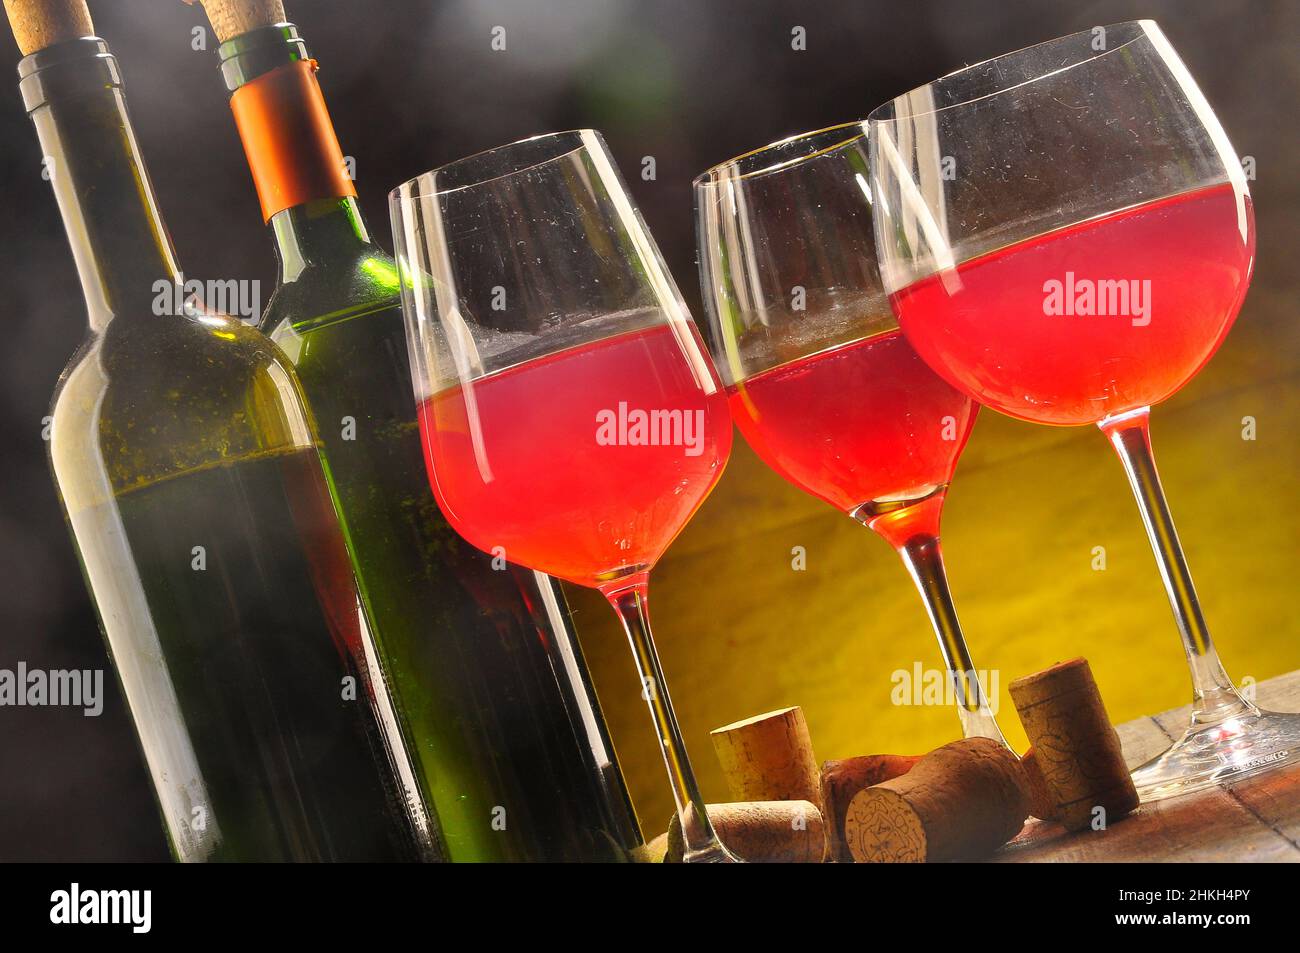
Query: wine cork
point(41, 23)
point(841, 780)
point(762, 832)
point(230, 18)
point(959, 802)
point(1075, 746)
point(769, 758)
point(1041, 803)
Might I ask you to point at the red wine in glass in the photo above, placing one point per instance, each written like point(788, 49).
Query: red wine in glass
point(821, 381)
point(584, 463)
point(868, 428)
point(1093, 320)
point(571, 420)
point(1066, 234)
point(865, 422)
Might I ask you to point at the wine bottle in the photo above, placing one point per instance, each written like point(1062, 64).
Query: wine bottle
point(487, 675)
point(188, 469)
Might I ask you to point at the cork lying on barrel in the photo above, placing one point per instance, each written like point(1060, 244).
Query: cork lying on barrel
point(769, 758)
point(1076, 748)
point(1042, 804)
point(959, 802)
point(841, 780)
point(771, 771)
point(762, 832)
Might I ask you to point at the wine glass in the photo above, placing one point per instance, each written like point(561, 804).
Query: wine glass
point(572, 421)
point(820, 380)
point(1066, 236)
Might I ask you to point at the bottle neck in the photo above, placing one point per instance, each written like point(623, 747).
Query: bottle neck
point(302, 180)
point(317, 232)
point(73, 92)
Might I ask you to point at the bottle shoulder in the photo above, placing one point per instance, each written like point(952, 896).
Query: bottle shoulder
point(148, 398)
point(349, 285)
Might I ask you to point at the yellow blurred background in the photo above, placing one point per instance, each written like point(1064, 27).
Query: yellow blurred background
point(741, 632)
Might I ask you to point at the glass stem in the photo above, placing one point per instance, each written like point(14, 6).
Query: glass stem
point(913, 531)
point(700, 841)
point(923, 558)
point(1214, 697)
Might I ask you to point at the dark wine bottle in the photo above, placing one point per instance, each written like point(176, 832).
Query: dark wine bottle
point(189, 471)
point(487, 676)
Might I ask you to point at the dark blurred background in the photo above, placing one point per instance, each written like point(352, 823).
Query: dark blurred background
point(413, 84)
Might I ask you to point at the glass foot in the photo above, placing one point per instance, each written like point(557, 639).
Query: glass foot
point(713, 854)
point(1212, 754)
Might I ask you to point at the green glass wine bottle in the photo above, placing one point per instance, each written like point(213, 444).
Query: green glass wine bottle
point(189, 471)
point(489, 682)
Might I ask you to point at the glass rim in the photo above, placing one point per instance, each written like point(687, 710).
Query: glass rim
point(413, 188)
point(711, 176)
point(1144, 26)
